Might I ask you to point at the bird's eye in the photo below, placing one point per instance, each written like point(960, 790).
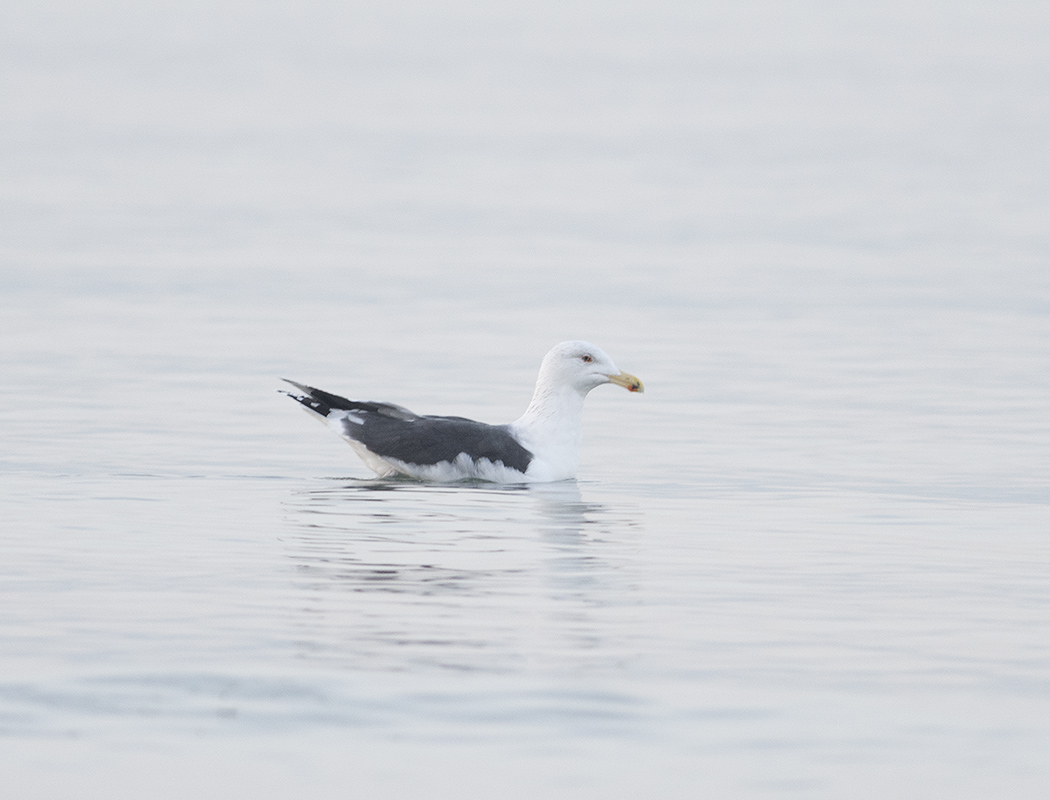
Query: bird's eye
point(587, 359)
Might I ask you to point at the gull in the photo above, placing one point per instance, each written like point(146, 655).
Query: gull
point(542, 445)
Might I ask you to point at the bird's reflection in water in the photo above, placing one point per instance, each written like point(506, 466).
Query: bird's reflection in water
point(394, 573)
point(565, 521)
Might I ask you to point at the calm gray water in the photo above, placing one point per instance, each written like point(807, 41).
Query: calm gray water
point(810, 561)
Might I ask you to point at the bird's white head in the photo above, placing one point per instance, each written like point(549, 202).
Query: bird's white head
point(583, 366)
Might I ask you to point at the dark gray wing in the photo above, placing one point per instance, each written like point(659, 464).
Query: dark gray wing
point(431, 440)
point(391, 431)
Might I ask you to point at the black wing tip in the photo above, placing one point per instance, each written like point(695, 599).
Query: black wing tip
point(297, 398)
point(302, 387)
point(332, 401)
point(309, 403)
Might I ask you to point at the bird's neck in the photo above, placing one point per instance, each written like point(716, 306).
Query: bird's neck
point(555, 413)
point(551, 429)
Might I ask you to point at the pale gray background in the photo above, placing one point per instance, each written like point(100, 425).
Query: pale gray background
point(811, 561)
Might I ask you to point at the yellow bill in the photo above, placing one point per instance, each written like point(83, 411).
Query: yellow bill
point(627, 381)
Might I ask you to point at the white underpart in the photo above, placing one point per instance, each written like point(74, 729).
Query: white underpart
point(380, 466)
point(462, 468)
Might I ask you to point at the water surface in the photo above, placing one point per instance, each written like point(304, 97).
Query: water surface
point(810, 561)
